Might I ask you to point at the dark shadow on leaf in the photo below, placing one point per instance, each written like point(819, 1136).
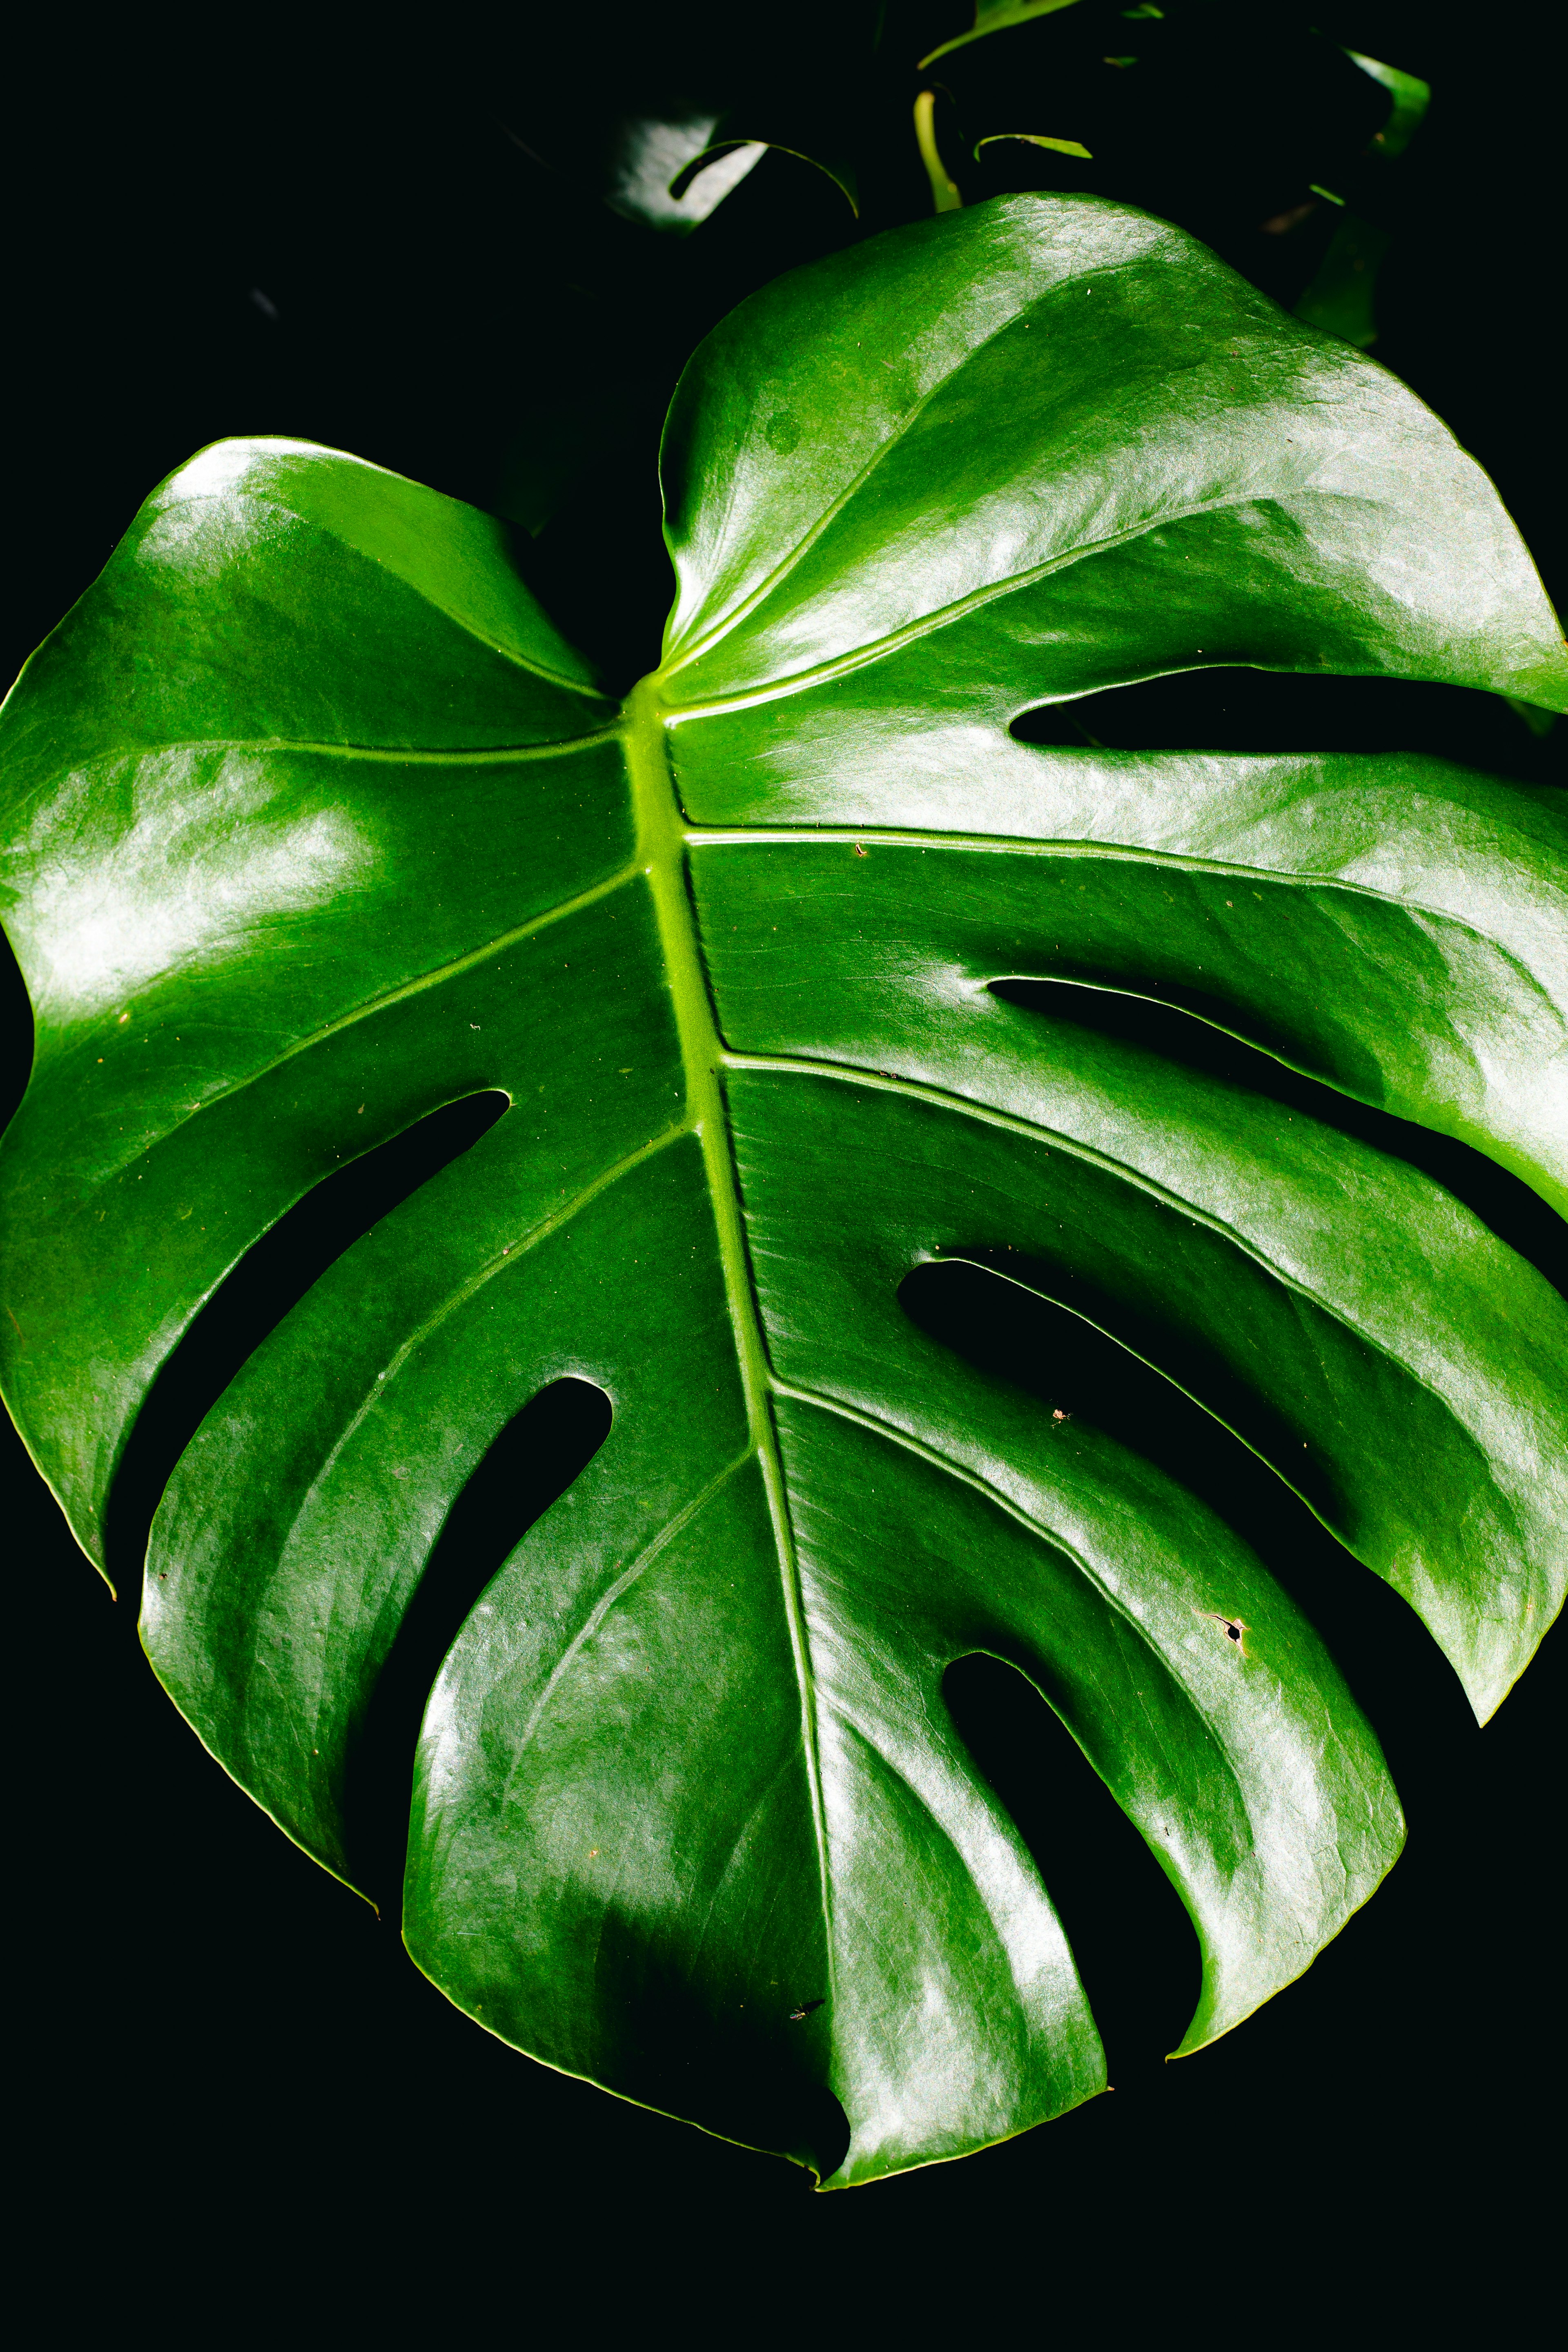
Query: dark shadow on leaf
point(529, 1466)
point(685, 2047)
point(1134, 1942)
point(1502, 1200)
point(272, 1278)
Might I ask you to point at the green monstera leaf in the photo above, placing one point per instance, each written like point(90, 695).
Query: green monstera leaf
point(793, 975)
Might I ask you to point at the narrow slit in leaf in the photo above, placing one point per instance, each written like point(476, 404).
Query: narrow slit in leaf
point(1499, 1198)
point(1092, 1382)
point(1392, 1664)
point(271, 1278)
point(529, 1466)
point(1222, 708)
point(1135, 1947)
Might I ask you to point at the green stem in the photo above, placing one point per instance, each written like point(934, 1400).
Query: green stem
point(945, 192)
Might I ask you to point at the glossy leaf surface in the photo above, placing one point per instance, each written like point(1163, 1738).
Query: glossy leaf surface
point(794, 974)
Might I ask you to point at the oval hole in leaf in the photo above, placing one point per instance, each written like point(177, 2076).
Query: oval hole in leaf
point(1243, 709)
point(1502, 1200)
point(273, 1277)
point(526, 1468)
point(1134, 1942)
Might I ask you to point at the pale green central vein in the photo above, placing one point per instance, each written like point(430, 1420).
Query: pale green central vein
point(662, 851)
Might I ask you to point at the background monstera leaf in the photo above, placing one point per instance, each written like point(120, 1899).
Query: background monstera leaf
point(802, 981)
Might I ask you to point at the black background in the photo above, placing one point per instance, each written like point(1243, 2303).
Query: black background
point(240, 2098)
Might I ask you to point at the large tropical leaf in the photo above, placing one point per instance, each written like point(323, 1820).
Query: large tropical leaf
point(796, 975)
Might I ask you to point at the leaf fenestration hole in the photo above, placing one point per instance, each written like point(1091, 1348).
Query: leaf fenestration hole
point(1239, 708)
point(1135, 1947)
point(272, 1278)
point(526, 1468)
point(1394, 1668)
point(1050, 1341)
point(1502, 1200)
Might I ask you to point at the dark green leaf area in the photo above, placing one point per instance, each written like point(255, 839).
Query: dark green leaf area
point(1391, 988)
point(615, 1862)
point(1019, 461)
point(1403, 1369)
point(613, 1858)
point(271, 1278)
point(271, 590)
point(150, 1238)
point(292, 1537)
point(315, 883)
point(905, 1566)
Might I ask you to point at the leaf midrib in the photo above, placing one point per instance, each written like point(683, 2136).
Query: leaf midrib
point(662, 849)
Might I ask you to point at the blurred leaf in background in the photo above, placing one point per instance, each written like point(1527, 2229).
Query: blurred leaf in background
point(1341, 296)
point(1000, 16)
